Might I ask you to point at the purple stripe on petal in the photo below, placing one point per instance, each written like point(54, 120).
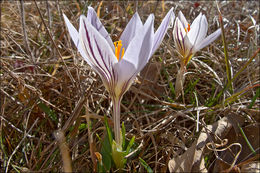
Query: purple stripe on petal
point(183, 42)
point(103, 60)
point(126, 85)
point(178, 37)
point(92, 52)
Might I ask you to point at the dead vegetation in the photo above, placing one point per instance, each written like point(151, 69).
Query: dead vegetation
point(46, 86)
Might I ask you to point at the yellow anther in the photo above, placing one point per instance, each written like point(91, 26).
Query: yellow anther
point(123, 52)
point(118, 45)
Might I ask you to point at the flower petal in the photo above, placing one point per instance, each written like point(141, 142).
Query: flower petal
point(198, 29)
point(138, 51)
point(128, 34)
point(136, 56)
point(183, 19)
point(161, 31)
point(97, 49)
point(75, 37)
point(94, 20)
point(124, 76)
point(209, 39)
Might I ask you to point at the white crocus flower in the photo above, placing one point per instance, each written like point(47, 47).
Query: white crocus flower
point(117, 63)
point(189, 39)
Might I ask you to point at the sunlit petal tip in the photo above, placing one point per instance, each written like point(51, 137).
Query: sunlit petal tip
point(134, 25)
point(149, 20)
point(183, 19)
point(180, 15)
point(161, 31)
point(93, 19)
point(64, 16)
point(72, 30)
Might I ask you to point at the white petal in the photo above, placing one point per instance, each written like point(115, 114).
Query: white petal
point(161, 31)
point(124, 75)
point(139, 49)
point(94, 20)
point(209, 39)
point(128, 34)
point(136, 56)
point(198, 29)
point(75, 37)
point(183, 19)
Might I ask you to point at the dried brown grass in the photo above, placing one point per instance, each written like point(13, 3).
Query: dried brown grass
point(34, 73)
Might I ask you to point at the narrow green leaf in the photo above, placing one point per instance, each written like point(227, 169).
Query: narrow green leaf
point(145, 165)
point(109, 133)
point(101, 167)
point(106, 151)
point(235, 76)
point(123, 135)
point(247, 141)
point(130, 144)
point(257, 94)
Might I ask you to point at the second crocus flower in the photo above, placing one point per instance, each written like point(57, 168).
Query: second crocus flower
point(189, 39)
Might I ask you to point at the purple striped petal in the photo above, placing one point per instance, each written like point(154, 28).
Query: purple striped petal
point(94, 20)
point(179, 34)
point(75, 37)
point(99, 52)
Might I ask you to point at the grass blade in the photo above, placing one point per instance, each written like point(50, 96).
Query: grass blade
point(247, 141)
point(228, 69)
point(254, 98)
point(145, 165)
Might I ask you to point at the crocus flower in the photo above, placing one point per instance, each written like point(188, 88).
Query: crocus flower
point(189, 39)
point(117, 63)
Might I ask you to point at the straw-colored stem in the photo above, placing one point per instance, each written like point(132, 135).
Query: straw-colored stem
point(116, 118)
point(180, 81)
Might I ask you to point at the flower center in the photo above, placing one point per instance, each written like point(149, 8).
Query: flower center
point(187, 29)
point(118, 45)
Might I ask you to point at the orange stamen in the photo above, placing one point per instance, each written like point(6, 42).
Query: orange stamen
point(187, 29)
point(118, 45)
